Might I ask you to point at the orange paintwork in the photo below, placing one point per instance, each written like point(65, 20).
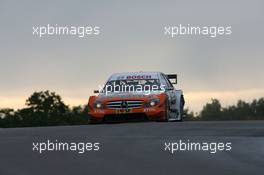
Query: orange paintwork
point(153, 113)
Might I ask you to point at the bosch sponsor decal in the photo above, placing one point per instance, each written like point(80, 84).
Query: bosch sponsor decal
point(129, 77)
point(138, 77)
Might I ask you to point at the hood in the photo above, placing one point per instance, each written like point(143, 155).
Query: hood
point(122, 95)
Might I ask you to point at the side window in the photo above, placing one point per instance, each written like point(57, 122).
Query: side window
point(168, 83)
point(163, 81)
point(171, 85)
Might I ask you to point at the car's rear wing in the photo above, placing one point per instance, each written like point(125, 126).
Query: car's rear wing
point(172, 78)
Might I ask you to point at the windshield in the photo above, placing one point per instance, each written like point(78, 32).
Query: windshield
point(133, 85)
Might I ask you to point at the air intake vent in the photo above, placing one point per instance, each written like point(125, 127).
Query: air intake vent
point(124, 104)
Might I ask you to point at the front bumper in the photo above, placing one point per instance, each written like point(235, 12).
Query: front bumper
point(150, 113)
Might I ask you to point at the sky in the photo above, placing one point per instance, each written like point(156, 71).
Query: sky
point(229, 67)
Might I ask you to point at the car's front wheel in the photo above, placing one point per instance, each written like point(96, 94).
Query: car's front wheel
point(165, 116)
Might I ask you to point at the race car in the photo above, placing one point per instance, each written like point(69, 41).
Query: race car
point(137, 95)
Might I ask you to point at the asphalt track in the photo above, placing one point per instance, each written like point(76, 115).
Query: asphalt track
point(135, 148)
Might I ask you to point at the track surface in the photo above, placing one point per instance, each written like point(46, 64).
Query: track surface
point(135, 148)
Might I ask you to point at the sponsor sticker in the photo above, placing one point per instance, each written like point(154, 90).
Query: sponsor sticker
point(139, 77)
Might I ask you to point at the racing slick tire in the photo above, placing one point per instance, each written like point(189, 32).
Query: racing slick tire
point(165, 117)
point(181, 109)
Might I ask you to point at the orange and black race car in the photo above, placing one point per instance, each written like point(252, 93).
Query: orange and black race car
point(137, 95)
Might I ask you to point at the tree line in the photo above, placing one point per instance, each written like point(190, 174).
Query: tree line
point(240, 111)
point(46, 108)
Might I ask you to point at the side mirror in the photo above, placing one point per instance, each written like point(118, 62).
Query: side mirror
point(96, 91)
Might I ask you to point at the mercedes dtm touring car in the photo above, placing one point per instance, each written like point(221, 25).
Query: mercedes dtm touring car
point(137, 95)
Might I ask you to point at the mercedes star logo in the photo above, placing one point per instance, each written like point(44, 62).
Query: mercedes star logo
point(124, 104)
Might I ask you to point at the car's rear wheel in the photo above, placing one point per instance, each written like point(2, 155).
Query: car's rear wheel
point(181, 109)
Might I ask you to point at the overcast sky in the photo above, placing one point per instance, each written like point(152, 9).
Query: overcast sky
point(131, 39)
